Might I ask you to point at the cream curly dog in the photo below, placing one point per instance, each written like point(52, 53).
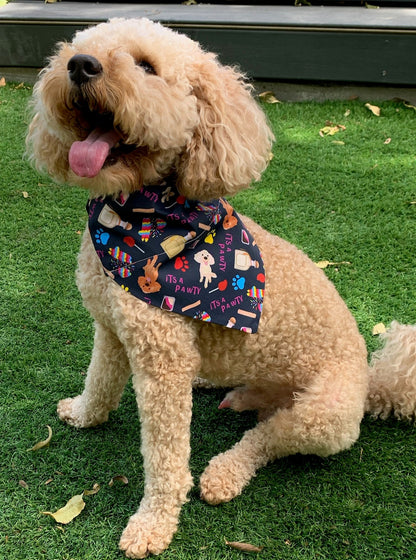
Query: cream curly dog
point(129, 104)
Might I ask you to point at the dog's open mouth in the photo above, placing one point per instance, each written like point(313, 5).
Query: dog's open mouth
point(103, 146)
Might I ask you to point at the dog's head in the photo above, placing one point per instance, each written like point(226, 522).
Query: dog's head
point(148, 285)
point(130, 102)
point(203, 257)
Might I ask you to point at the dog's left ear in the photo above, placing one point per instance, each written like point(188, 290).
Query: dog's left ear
point(231, 145)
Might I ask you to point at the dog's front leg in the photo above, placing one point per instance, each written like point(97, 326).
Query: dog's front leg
point(162, 379)
point(107, 375)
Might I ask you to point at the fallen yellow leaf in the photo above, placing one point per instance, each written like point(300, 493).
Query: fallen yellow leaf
point(325, 264)
point(25, 194)
point(43, 443)
point(120, 478)
point(268, 97)
point(244, 547)
point(2, 81)
point(70, 510)
point(94, 490)
point(387, 140)
point(374, 109)
point(409, 106)
point(330, 130)
point(379, 329)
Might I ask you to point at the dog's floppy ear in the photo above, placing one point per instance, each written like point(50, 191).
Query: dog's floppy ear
point(231, 145)
point(198, 257)
point(44, 152)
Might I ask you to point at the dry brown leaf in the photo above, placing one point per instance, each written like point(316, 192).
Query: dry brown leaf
point(48, 481)
point(374, 109)
point(268, 97)
point(244, 547)
point(95, 489)
point(43, 443)
point(120, 478)
point(330, 129)
point(325, 264)
point(2, 81)
point(379, 329)
point(71, 509)
point(387, 140)
point(23, 484)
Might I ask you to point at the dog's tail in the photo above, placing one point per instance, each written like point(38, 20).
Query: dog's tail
point(392, 374)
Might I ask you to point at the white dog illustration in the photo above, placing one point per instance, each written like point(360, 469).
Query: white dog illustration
point(205, 261)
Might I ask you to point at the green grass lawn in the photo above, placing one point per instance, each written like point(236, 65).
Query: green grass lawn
point(350, 197)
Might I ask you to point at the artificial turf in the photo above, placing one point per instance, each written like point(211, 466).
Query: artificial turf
point(347, 198)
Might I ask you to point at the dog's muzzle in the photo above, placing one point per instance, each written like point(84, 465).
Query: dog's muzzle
point(82, 68)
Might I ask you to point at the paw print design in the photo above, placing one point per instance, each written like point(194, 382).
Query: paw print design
point(239, 282)
point(102, 237)
point(210, 237)
point(181, 263)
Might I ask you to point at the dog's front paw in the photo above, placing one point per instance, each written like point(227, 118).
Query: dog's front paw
point(146, 534)
point(223, 479)
point(73, 412)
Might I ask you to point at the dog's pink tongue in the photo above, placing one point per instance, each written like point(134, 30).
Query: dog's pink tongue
point(87, 158)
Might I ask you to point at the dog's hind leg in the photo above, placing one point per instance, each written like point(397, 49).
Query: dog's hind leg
point(164, 361)
point(107, 375)
point(323, 420)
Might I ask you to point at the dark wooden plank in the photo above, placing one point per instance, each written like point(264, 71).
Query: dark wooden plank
point(330, 56)
point(213, 15)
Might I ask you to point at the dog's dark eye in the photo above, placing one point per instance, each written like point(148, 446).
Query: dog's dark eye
point(147, 67)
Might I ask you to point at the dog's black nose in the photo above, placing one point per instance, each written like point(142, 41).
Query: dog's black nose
point(83, 67)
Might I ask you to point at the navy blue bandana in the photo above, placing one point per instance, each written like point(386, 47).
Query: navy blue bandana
point(192, 258)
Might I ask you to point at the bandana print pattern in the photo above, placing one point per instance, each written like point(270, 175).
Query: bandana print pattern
point(192, 258)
